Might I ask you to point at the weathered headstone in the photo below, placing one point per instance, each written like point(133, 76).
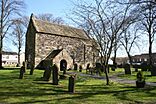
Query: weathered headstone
point(22, 71)
point(71, 84)
point(144, 66)
point(55, 75)
point(153, 71)
point(127, 69)
point(87, 68)
point(80, 68)
point(47, 70)
point(136, 69)
point(113, 67)
point(32, 69)
point(98, 68)
point(47, 74)
point(75, 67)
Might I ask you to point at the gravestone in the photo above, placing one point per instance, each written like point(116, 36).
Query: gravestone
point(55, 75)
point(80, 68)
point(136, 69)
point(22, 71)
point(127, 69)
point(47, 74)
point(71, 84)
point(99, 68)
point(47, 70)
point(75, 67)
point(113, 67)
point(153, 71)
point(144, 66)
point(31, 69)
point(87, 68)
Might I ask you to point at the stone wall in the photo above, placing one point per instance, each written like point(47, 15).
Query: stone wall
point(63, 55)
point(75, 47)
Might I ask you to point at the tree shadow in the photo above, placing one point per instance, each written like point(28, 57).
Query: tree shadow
point(11, 68)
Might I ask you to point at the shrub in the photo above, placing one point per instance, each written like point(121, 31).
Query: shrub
point(140, 76)
point(140, 82)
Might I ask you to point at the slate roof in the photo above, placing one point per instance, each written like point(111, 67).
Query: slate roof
point(57, 29)
point(53, 54)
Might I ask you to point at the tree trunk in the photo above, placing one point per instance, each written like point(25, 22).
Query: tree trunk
point(106, 73)
point(19, 58)
point(114, 58)
point(1, 51)
point(130, 58)
point(1, 31)
point(106, 70)
point(150, 53)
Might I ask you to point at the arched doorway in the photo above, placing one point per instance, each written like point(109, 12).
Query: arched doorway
point(63, 66)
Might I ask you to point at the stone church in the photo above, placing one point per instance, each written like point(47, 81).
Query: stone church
point(58, 44)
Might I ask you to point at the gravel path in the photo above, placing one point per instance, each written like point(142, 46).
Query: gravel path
point(113, 78)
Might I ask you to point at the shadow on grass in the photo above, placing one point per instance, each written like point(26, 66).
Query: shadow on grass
point(31, 102)
point(11, 68)
point(121, 94)
point(45, 89)
point(79, 94)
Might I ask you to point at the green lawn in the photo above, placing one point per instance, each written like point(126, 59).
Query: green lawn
point(147, 75)
point(31, 90)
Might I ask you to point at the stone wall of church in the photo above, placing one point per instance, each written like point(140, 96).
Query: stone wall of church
point(74, 46)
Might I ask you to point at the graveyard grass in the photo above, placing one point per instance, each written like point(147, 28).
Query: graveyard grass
point(31, 90)
point(147, 75)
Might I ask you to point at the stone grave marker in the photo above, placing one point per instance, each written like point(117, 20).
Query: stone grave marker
point(55, 75)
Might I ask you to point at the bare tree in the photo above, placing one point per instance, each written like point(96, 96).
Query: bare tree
point(18, 36)
point(104, 22)
point(50, 18)
point(8, 9)
point(146, 11)
point(129, 39)
point(148, 24)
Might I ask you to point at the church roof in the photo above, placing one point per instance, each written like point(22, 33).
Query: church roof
point(57, 29)
point(53, 54)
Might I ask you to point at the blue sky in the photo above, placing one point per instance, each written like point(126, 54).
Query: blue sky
point(59, 8)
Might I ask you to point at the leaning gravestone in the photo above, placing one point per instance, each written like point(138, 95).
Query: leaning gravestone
point(71, 84)
point(127, 69)
point(55, 75)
